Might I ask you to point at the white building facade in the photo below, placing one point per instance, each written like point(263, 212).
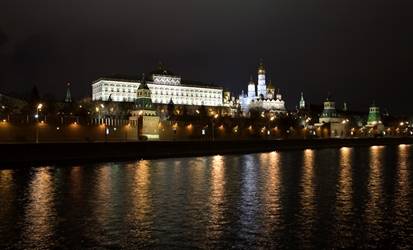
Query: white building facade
point(261, 95)
point(164, 87)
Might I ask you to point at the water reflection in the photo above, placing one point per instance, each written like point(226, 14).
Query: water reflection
point(314, 199)
point(402, 204)
point(40, 212)
point(249, 198)
point(140, 215)
point(307, 199)
point(344, 206)
point(374, 213)
point(217, 201)
point(6, 193)
point(271, 197)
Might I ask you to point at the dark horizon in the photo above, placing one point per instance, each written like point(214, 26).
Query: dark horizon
point(359, 51)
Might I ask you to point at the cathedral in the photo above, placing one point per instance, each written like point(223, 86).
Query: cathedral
point(262, 96)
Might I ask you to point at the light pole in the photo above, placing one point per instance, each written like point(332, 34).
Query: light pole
point(37, 125)
point(200, 115)
point(213, 126)
point(137, 125)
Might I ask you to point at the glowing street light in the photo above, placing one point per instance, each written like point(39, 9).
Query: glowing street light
point(37, 125)
point(213, 124)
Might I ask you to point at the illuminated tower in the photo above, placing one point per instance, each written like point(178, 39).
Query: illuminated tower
point(270, 91)
point(262, 87)
point(144, 115)
point(68, 95)
point(374, 115)
point(329, 113)
point(251, 88)
point(302, 102)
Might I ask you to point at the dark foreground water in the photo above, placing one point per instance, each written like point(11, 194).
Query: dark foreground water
point(311, 199)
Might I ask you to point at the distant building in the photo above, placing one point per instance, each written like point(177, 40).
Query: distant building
point(302, 102)
point(330, 124)
point(261, 96)
point(144, 114)
point(164, 86)
point(374, 124)
point(329, 113)
point(374, 115)
point(68, 97)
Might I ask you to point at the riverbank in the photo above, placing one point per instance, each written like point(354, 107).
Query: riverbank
point(30, 154)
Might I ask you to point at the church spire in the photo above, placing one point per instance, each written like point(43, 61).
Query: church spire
point(68, 95)
point(302, 102)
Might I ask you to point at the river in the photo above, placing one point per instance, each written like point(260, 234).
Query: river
point(308, 199)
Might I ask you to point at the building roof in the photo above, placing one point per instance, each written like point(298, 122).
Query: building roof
point(137, 79)
point(160, 70)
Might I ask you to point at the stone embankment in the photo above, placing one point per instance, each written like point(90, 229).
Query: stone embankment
point(29, 154)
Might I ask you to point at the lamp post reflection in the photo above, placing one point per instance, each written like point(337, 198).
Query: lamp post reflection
point(37, 125)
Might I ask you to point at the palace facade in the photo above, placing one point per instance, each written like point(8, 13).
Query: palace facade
point(164, 87)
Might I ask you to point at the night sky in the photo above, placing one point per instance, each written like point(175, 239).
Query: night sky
point(360, 51)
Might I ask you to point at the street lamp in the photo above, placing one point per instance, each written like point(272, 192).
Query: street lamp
point(37, 125)
point(213, 124)
point(200, 115)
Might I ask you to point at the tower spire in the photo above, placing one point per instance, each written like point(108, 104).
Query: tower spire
point(68, 95)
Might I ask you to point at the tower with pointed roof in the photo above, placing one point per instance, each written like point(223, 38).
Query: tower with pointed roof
point(270, 90)
point(251, 89)
point(68, 97)
point(329, 112)
point(302, 102)
point(261, 87)
point(144, 115)
point(143, 97)
point(374, 115)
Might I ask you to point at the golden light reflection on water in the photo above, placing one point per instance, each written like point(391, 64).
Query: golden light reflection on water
point(141, 212)
point(76, 182)
point(307, 197)
point(344, 208)
point(102, 203)
point(271, 192)
point(217, 201)
point(40, 213)
point(375, 187)
point(402, 184)
point(6, 192)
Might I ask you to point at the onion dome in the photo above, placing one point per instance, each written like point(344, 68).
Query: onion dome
point(251, 82)
point(270, 87)
point(261, 69)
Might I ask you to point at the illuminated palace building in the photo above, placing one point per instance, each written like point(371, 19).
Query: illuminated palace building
point(164, 87)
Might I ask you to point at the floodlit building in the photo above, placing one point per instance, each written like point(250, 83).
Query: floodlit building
point(164, 86)
point(330, 121)
point(144, 115)
point(261, 96)
point(329, 112)
point(374, 124)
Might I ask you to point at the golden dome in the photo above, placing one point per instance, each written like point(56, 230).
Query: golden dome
point(261, 69)
point(251, 82)
point(270, 87)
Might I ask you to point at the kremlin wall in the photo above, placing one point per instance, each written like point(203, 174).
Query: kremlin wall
point(160, 106)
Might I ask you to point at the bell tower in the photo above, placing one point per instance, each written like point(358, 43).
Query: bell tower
point(262, 87)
